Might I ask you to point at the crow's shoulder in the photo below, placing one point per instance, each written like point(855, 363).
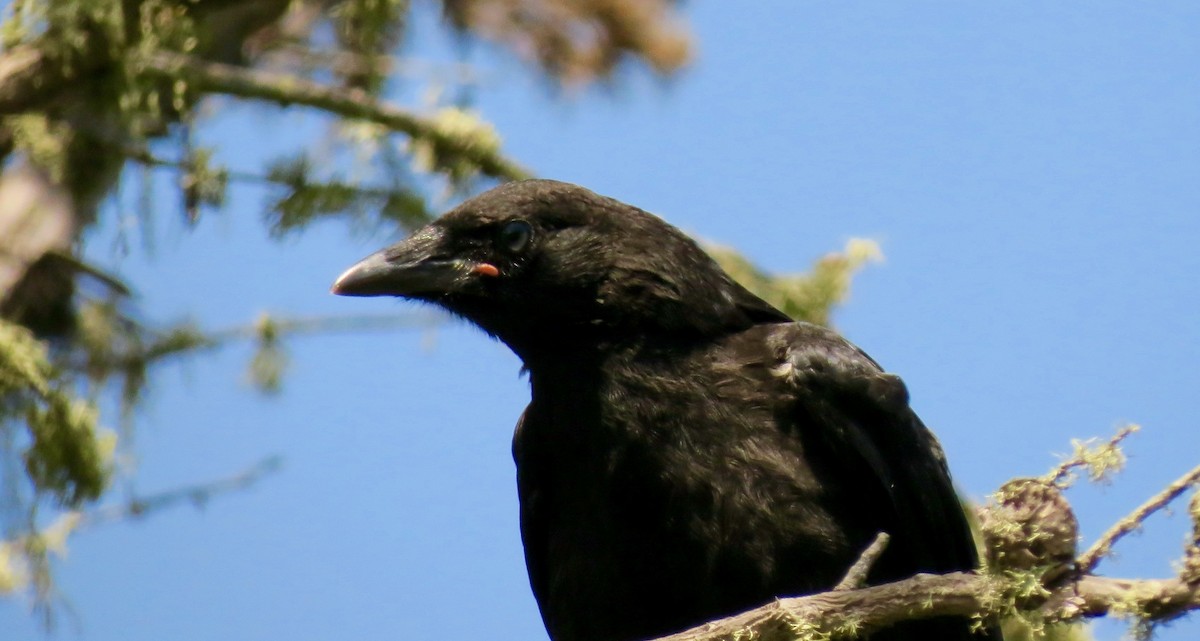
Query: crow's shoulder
point(856, 418)
point(802, 359)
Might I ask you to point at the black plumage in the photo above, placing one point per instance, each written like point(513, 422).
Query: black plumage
point(689, 451)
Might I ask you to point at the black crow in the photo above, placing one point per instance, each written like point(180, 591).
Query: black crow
point(689, 451)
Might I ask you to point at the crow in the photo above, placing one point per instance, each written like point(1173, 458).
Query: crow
point(689, 451)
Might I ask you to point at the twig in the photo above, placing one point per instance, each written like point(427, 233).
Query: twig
point(136, 507)
point(1059, 473)
point(1089, 559)
point(318, 325)
point(170, 342)
point(351, 62)
point(856, 576)
point(333, 324)
point(197, 495)
point(148, 159)
point(346, 102)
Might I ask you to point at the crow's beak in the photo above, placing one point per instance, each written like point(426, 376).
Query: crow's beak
point(410, 268)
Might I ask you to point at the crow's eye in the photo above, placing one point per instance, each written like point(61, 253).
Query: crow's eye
point(514, 236)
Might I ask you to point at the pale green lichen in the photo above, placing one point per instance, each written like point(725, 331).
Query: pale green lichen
point(204, 183)
point(1100, 460)
point(1132, 607)
point(807, 630)
point(270, 360)
point(467, 131)
point(88, 43)
point(1190, 572)
point(24, 560)
point(43, 141)
point(68, 455)
point(808, 297)
point(1029, 527)
point(848, 628)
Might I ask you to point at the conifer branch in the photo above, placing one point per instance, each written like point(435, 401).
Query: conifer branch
point(212, 77)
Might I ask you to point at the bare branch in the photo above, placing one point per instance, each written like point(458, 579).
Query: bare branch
point(27, 556)
point(198, 495)
point(330, 325)
point(184, 339)
point(856, 576)
point(285, 90)
point(1088, 561)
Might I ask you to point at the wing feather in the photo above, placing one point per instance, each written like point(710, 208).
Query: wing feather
point(859, 420)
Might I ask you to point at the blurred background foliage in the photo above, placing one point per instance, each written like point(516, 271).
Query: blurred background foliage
point(97, 93)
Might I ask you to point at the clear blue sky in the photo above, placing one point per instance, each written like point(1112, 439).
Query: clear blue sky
point(1031, 169)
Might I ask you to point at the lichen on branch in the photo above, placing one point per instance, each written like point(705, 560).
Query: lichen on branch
point(66, 454)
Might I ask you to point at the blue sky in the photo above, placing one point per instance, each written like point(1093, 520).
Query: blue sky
point(1031, 170)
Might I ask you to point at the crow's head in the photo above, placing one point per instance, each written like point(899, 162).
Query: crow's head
point(540, 262)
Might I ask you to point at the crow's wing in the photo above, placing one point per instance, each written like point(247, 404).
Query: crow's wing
point(858, 429)
point(856, 424)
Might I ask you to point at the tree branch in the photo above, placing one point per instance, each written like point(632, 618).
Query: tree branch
point(286, 90)
point(1006, 591)
point(198, 495)
point(184, 339)
point(1088, 561)
point(851, 614)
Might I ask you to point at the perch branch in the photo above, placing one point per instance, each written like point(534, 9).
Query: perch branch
point(853, 613)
